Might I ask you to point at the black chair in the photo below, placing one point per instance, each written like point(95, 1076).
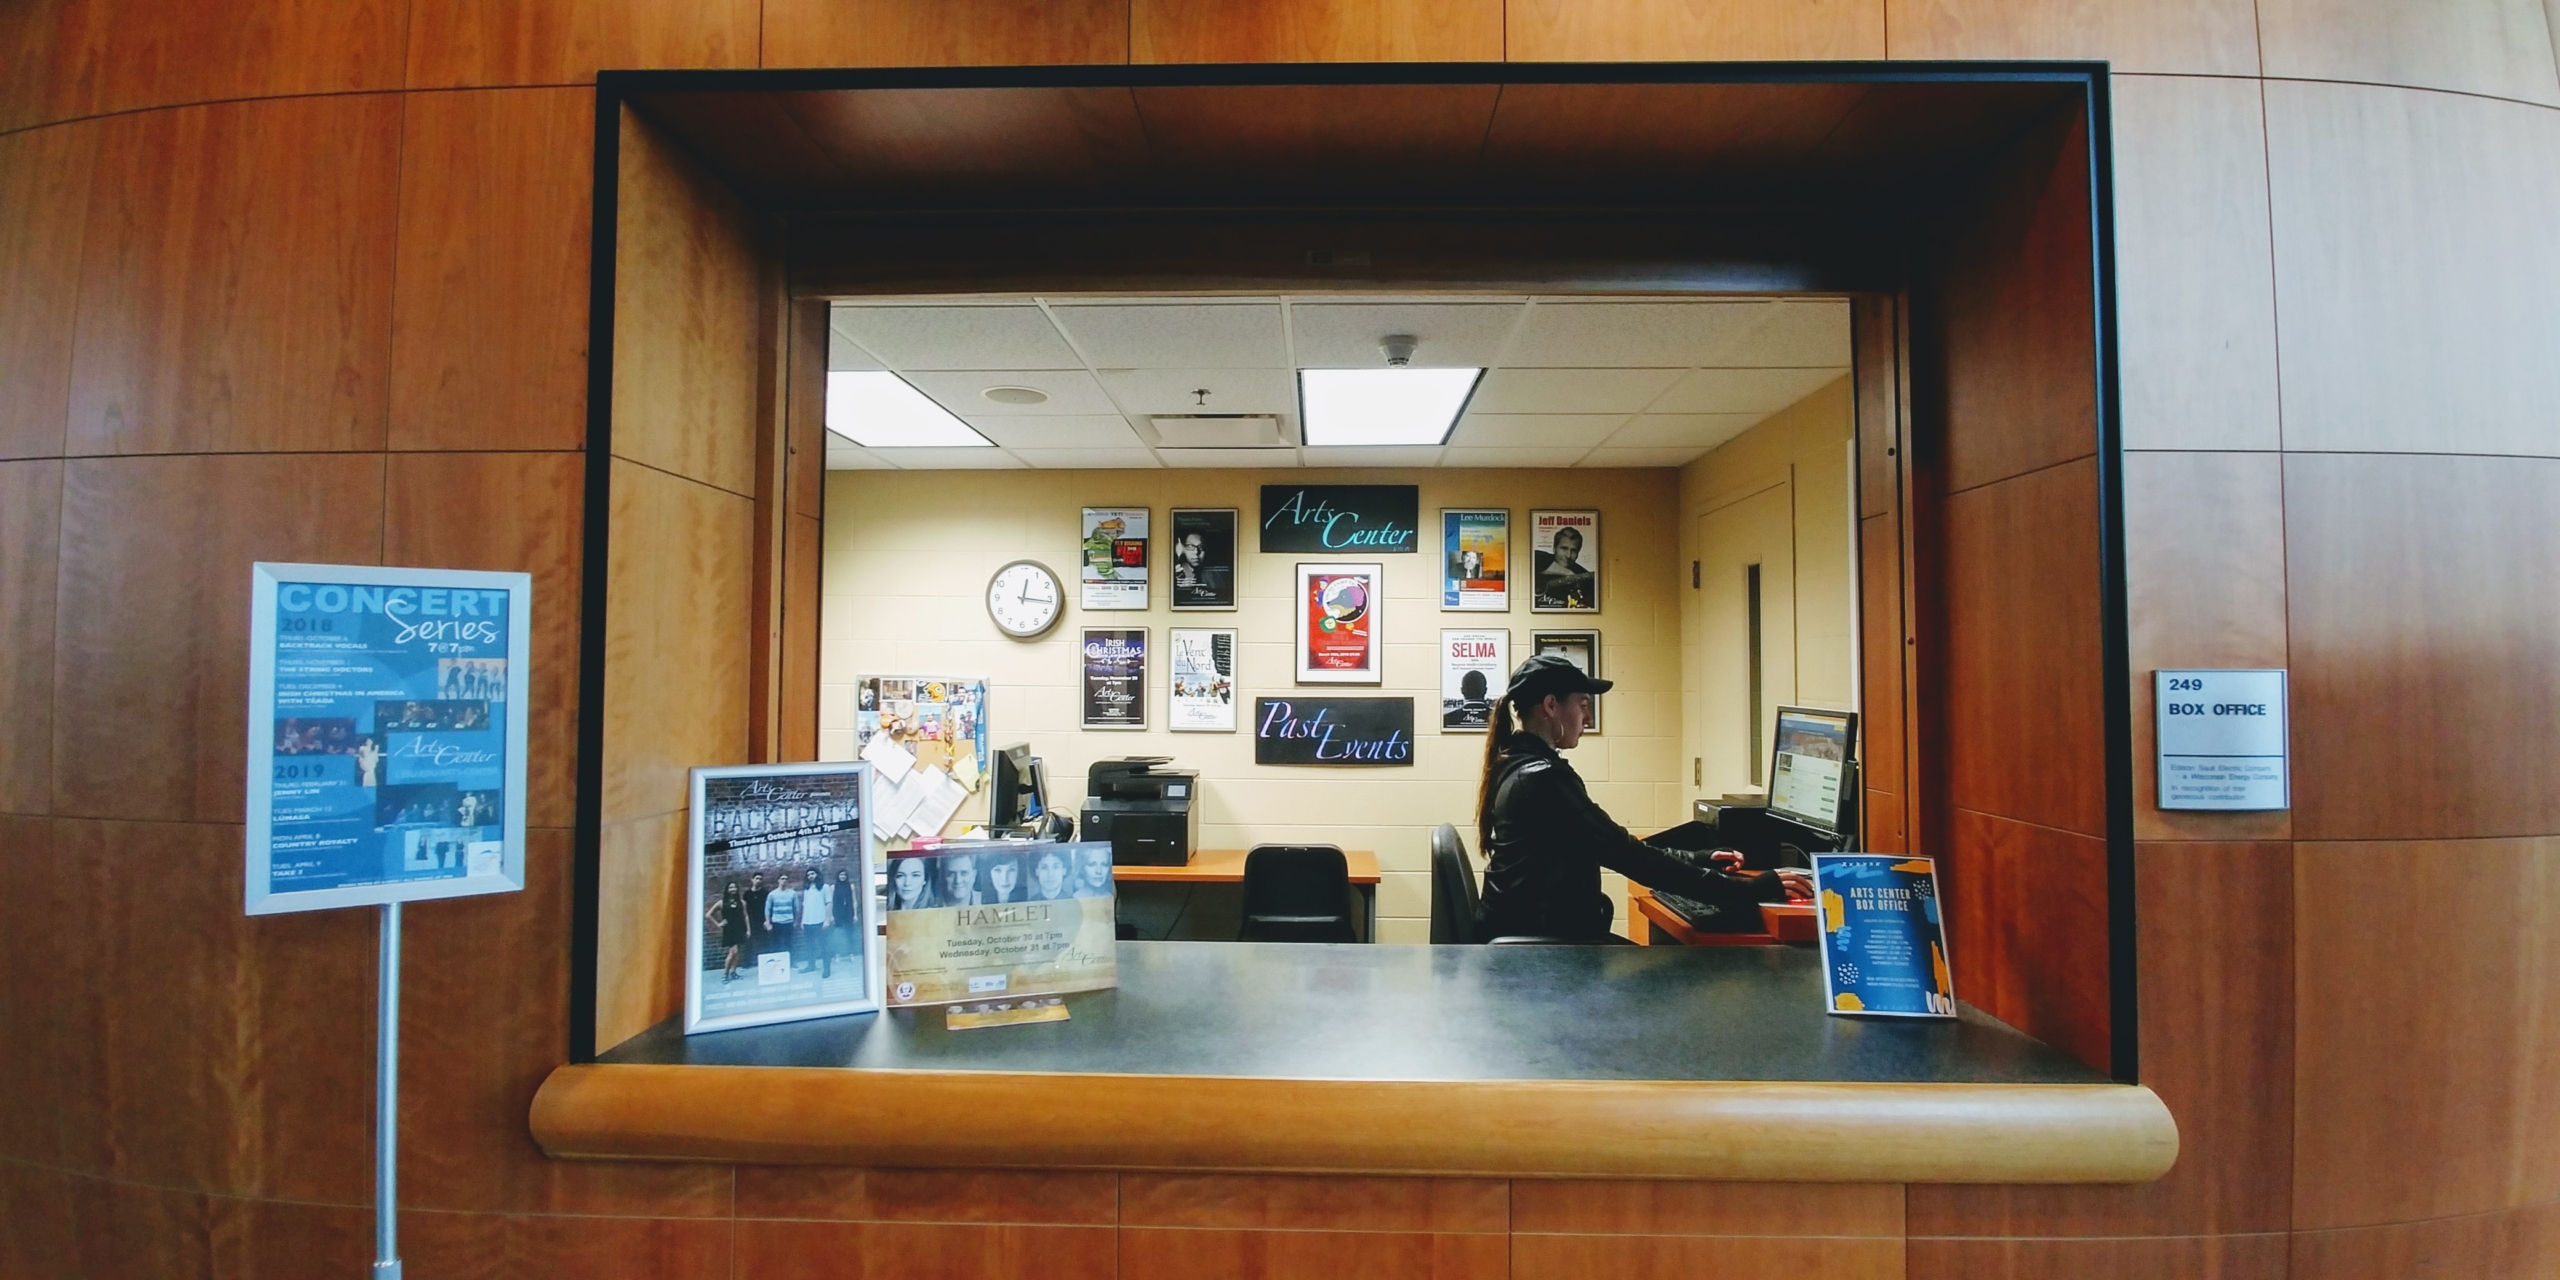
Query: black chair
point(1296, 893)
point(1453, 889)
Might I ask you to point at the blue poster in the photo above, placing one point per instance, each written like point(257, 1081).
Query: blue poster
point(1884, 942)
point(386, 734)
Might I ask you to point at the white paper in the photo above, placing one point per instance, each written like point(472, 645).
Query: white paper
point(892, 802)
point(941, 799)
point(893, 760)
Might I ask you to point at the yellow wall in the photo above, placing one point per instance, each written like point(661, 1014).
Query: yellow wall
point(1783, 482)
point(908, 555)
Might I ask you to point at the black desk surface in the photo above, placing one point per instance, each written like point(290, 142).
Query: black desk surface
point(1349, 1012)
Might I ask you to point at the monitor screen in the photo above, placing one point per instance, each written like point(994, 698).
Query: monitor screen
point(1810, 766)
point(1015, 797)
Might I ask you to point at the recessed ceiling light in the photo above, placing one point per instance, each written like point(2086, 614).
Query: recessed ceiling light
point(881, 411)
point(1383, 406)
point(1016, 395)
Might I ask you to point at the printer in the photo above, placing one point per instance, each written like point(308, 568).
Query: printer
point(1151, 815)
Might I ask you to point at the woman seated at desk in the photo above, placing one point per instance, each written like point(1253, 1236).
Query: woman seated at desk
point(1545, 841)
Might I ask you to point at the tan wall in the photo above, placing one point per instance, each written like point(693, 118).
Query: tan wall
point(198, 318)
point(909, 555)
point(1802, 454)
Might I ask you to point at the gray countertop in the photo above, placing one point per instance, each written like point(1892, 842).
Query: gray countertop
point(1352, 1012)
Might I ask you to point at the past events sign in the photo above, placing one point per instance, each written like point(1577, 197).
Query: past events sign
point(387, 713)
point(1333, 731)
point(1384, 519)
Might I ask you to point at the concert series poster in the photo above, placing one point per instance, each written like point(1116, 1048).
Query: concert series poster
point(1115, 678)
point(1339, 638)
point(1203, 662)
point(780, 890)
point(1203, 543)
point(1566, 552)
point(1475, 553)
point(386, 735)
point(1112, 568)
point(991, 920)
point(1475, 666)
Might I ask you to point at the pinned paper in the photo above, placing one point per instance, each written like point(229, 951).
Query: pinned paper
point(892, 802)
point(941, 799)
point(892, 760)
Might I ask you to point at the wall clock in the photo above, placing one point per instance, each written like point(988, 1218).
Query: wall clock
point(1024, 599)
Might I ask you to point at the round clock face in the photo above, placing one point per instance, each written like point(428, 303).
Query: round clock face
point(1024, 599)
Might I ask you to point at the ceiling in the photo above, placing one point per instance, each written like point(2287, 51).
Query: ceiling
point(1570, 381)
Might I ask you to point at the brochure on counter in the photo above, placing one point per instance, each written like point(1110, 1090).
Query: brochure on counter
point(1884, 943)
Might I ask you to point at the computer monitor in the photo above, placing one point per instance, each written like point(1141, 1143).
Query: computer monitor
point(1015, 800)
point(1812, 772)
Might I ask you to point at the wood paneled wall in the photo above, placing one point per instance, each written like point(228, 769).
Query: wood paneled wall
point(305, 310)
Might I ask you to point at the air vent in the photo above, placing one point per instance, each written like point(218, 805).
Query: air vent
point(1217, 430)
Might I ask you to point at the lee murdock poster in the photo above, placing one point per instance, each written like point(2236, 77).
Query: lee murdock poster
point(1115, 678)
point(1204, 557)
point(1567, 554)
point(1884, 940)
point(1114, 570)
point(781, 927)
point(1339, 638)
point(387, 713)
point(1474, 668)
point(1475, 554)
point(975, 921)
point(1203, 660)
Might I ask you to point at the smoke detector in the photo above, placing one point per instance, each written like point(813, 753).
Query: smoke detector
point(1399, 348)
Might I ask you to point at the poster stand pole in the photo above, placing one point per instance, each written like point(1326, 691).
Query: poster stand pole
point(386, 1102)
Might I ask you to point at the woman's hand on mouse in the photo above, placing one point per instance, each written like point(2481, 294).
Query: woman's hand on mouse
point(1799, 884)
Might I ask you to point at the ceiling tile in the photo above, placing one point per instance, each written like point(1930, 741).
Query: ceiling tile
point(1071, 393)
point(1570, 390)
point(949, 459)
point(845, 455)
point(1456, 456)
point(965, 337)
point(1228, 457)
point(1231, 390)
point(1064, 459)
point(844, 357)
point(1761, 391)
point(1371, 456)
point(1344, 335)
point(1229, 335)
point(1100, 432)
point(1620, 335)
point(1684, 430)
point(1544, 430)
point(1639, 457)
point(1794, 334)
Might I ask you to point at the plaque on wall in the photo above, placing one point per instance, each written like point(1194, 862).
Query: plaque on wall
point(1375, 519)
point(1333, 731)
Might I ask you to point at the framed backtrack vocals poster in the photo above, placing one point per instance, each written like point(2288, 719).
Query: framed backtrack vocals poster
point(782, 919)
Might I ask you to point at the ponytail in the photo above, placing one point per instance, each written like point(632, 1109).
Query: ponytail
point(1497, 736)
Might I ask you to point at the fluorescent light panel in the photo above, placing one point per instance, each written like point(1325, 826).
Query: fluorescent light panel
point(882, 411)
point(1383, 406)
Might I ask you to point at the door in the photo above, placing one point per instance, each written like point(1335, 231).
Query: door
point(1746, 658)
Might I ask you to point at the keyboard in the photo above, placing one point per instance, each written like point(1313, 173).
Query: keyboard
point(1704, 915)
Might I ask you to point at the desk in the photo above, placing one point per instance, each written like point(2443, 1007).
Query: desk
point(1665, 925)
point(1226, 866)
point(1297, 1058)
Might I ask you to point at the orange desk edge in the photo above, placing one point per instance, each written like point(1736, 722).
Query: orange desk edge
point(1226, 866)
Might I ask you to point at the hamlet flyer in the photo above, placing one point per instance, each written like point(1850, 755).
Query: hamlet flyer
point(975, 921)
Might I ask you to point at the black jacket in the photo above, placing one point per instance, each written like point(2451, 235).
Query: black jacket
point(1549, 842)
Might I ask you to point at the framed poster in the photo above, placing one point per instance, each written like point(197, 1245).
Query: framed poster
point(781, 858)
point(1333, 731)
point(1204, 557)
point(1884, 940)
point(387, 712)
point(1342, 519)
point(1566, 556)
point(1475, 555)
point(1203, 661)
point(937, 722)
point(980, 920)
point(1113, 569)
point(1475, 667)
point(1582, 649)
point(1115, 677)
point(1339, 640)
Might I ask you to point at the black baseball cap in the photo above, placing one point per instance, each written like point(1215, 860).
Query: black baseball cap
point(1550, 673)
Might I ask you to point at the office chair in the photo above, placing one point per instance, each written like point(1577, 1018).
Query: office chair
point(1453, 896)
point(1296, 893)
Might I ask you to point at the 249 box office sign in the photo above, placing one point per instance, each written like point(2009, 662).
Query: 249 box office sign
point(387, 713)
